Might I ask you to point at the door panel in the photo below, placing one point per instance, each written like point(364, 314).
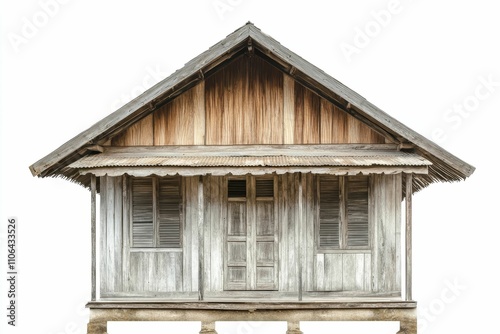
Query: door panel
point(251, 240)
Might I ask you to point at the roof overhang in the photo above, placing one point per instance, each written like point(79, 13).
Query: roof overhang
point(251, 159)
point(445, 166)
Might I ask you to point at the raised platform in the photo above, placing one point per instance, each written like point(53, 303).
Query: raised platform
point(209, 312)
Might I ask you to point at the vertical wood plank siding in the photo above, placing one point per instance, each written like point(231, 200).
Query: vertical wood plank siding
point(302, 266)
point(247, 102)
point(93, 259)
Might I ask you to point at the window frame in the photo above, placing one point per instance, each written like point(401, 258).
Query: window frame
point(156, 212)
point(343, 246)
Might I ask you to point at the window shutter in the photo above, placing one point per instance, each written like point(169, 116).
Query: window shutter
point(236, 188)
point(264, 187)
point(329, 212)
point(170, 207)
point(357, 212)
point(142, 212)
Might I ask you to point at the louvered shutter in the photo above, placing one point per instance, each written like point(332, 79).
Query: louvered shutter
point(357, 211)
point(329, 212)
point(170, 207)
point(142, 212)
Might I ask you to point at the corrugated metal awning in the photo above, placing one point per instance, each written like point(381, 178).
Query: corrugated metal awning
point(245, 159)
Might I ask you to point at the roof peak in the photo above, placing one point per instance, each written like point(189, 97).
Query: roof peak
point(447, 167)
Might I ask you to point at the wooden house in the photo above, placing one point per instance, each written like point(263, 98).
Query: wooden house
point(251, 185)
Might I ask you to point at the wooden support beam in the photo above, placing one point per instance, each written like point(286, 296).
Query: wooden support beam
point(408, 201)
point(299, 237)
point(93, 190)
point(201, 238)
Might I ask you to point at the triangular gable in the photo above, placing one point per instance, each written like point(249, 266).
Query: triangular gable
point(248, 102)
point(249, 39)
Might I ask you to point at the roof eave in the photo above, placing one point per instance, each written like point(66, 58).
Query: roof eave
point(194, 69)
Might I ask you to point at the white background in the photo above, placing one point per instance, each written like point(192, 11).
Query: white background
point(85, 59)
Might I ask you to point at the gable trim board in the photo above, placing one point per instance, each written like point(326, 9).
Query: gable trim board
point(445, 166)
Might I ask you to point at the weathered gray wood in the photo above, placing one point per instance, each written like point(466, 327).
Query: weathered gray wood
point(110, 235)
point(333, 272)
point(308, 239)
point(252, 306)
point(367, 273)
point(103, 286)
point(386, 200)
point(187, 240)
point(300, 233)
point(320, 273)
point(397, 215)
point(408, 235)
point(207, 232)
point(117, 243)
point(93, 282)
point(195, 241)
point(126, 228)
point(201, 239)
point(288, 110)
point(218, 216)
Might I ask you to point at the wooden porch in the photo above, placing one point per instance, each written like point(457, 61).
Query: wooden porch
point(209, 313)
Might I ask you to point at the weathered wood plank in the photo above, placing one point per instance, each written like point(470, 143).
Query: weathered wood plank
point(93, 215)
point(375, 195)
point(187, 239)
point(251, 234)
point(307, 116)
point(319, 270)
point(126, 228)
point(195, 241)
point(408, 235)
point(110, 235)
point(218, 216)
point(390, 232)
point(397, 216)
point(138, 134)
point(103, 286)
point(299, 233)
point(333, 272)
point(198, 101)
point(201, 239)
point(207, 232)
point(353, 272)
point(308, 239)
point(118, 233)
point(178, 122)
point(288, 109)
point(367, 286)
point(351, 150)
point(330, 131)
point(266, 95)
point(214, 109)
point(254, 306)
point(282, 196)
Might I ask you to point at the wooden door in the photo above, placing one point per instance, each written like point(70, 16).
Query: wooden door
point(251, 240)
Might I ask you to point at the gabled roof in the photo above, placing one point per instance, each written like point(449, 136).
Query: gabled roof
point(445, 166)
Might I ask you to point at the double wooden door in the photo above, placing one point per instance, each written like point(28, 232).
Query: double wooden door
point(251, 234)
